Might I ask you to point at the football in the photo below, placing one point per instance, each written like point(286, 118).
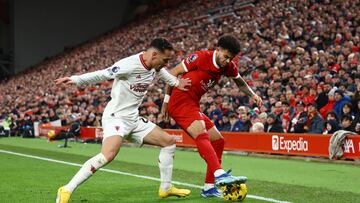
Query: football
point(234, 192)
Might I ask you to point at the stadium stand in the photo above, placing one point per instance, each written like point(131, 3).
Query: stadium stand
point(295, 54)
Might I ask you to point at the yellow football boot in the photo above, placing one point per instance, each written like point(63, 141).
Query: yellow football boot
point(173, 191)
point(63, 196)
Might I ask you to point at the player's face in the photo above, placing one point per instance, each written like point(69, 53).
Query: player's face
point(223, 57)
point(160, 59)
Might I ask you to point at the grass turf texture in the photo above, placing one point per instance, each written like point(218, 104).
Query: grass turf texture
point(28, 180)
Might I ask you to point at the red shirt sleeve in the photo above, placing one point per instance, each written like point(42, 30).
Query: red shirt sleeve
point(192, 61)
point(232, 70)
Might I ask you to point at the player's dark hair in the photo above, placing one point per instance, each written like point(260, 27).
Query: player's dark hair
point(229, 43)
point(161, 44)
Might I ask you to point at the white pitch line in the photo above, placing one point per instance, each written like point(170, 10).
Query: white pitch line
point(133, 175)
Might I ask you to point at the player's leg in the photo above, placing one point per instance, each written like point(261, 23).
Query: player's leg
point(113, 130)
point(108, 152)
point(159, 137)
point(197, 130)
point(217, 142)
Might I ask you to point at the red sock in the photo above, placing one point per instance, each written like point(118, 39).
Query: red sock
point(218, 146)
point(207, 152)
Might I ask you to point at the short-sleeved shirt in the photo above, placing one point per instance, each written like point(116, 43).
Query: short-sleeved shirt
point(204, 72)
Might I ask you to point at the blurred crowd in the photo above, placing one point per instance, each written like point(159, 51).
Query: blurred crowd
point(301, 57)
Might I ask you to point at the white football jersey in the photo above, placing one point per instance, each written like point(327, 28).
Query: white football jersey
point(131, 81)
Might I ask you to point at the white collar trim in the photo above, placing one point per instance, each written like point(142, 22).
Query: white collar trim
point(214, 60)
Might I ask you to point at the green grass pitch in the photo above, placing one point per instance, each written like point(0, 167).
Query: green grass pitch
point(24, 179)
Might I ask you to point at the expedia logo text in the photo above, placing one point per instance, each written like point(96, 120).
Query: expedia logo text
point(280, 143)
point(139, 87)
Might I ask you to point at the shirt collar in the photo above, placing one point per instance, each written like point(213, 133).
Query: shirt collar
point(214, 60)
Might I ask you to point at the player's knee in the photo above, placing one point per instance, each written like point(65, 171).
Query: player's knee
point(221, 141)
point(168, 142)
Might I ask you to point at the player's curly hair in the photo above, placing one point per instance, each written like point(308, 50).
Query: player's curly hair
point(229, 43)
point(161, 44)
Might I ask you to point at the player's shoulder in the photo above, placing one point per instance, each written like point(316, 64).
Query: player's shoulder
point(234, 63)
point(204, 53)
point(130, 60)
point(198, 56)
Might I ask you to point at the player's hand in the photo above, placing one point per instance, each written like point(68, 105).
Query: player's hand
point(165, 111)
point(184, 83)
point(257, 99)
point(64, 80)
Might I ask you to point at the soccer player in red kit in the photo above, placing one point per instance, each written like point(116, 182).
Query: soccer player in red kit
point(204, 69)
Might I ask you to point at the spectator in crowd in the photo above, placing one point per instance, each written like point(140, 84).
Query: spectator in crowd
point(315, 123)
point(235, 124)
point(246, 122)
point(329, 106)
point(331, 127)
point(224, 124)
point(288, 112)
point(347, 123)
point(278, 110)
point(348, 110)
point(331, 116)
point(340, 100)
point(357, 128)
point(257, 127)
point(263, 117)
point(322, 97)
point(273, 124)
point(357, 111)
point(299, 113)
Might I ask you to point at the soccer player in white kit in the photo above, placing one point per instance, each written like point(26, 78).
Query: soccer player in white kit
point(132, 77)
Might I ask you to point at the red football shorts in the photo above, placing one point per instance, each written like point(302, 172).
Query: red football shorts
point(187, 111)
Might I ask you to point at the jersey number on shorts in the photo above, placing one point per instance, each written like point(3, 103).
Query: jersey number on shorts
point(144, 120)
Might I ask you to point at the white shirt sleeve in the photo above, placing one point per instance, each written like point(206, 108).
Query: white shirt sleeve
point(168, 78)
point(120, 68)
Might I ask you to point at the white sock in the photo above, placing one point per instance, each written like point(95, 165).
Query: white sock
point(166, 159)
point(219, 172)
point(208, 186)
point(89, 167)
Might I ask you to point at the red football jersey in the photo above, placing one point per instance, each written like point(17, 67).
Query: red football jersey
point(204, 73)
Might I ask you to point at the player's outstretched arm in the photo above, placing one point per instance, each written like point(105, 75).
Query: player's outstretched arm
point(97, 76)
point(243, 86)
point(85, 79)
point(64, 80)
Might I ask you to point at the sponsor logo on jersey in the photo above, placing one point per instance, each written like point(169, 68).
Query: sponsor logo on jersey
point(139, 87)
point(191, 58)
point(113, 70)
point(207, 85)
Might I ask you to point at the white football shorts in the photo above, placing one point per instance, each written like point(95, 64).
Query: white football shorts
point(133, 131)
